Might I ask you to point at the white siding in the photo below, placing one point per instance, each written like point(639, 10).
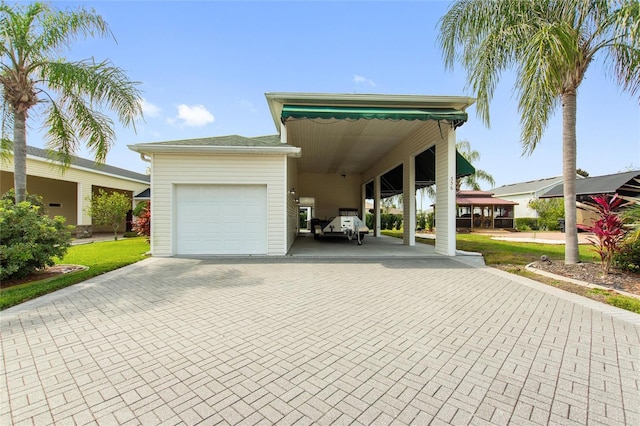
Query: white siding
point(446, 193)
point(293, 208)
point(172, 169)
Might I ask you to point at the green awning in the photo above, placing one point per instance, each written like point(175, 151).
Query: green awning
point(463, 167)
point(372, 113)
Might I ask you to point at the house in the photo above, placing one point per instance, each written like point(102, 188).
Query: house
point(523, 192)
point(66, 192)
point(242, 196)
point(481, 210)
point(625, 184)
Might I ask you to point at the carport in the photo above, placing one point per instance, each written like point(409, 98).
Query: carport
point(356, 147)
point(236, 195)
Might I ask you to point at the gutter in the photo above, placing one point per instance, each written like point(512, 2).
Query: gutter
point(290, 151)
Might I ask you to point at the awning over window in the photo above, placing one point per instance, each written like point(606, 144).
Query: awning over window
point(370, 113)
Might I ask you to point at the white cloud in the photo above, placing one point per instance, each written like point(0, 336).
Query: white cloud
point(358, 79)
point(194, 116)
point(149, 109)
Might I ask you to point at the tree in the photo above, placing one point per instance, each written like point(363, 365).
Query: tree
point(109, 209)
point(69, 95)
point(549, 211)
point(471, 181)
point(551, 44)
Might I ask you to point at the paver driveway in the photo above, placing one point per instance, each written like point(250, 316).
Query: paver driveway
point(398, 341)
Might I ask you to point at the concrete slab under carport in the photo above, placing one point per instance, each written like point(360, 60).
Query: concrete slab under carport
point(305, 246)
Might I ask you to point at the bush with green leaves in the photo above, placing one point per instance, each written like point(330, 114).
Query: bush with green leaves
point(29, 240)
point(109, 208)
point(526, 224)
point(549, 212)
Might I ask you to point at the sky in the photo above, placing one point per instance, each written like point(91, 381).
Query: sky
point(204, 67)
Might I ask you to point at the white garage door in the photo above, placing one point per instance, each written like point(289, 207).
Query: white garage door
point(221, 219)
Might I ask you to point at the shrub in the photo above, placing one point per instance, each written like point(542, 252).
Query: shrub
point(142, 223)
point(608, 229)
point(34, 199)
point(549, 212)
point(29, 240)
point(526, 223)
point(628, 258)
point(421, 220)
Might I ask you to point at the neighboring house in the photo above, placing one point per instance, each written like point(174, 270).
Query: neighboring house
point(66, 192)
point(242, 196)
point(523, 192)
point(481, 210)
point(626, 184)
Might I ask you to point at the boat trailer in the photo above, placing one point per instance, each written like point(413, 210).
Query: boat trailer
point(347, 223)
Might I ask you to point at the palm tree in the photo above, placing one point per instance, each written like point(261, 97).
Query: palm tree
point(551, 44)
point(472, 181)
point(463, 147)
point(70, 95)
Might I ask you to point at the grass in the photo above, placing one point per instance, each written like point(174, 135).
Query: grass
point(512, 257)
point(100, 257)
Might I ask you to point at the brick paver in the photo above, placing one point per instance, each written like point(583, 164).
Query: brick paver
point(302, 341)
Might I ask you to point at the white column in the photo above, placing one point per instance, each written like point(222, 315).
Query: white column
point(446, 194)
point(363, 202)
point(376, 205)
point(79, 205)
point(409, 201)
point(283, 133)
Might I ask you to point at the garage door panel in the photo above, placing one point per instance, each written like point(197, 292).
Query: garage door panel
point(221, 219)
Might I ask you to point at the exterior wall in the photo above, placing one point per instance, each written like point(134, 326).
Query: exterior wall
point(83, 179)
point(168, 170)
point(522, 209)
point(59, 197)
point(331, 192)
point(446, 193)
point(293, 209)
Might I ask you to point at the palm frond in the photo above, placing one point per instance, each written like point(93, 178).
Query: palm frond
point(103, 84)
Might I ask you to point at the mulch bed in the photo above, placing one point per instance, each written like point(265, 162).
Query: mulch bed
point(49, 271)
point(592, 273)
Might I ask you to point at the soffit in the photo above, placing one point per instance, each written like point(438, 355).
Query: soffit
point(346, 146)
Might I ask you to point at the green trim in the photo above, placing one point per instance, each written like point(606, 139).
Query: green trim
point(372, 113)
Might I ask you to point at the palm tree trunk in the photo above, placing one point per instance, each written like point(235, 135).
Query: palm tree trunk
point(571, 254)
point(20, 156)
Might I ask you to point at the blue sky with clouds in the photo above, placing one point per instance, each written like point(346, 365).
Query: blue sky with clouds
point(205, 66)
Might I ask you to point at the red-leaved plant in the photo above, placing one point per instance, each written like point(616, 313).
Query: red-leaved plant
point(608, 231)
point(142, 223)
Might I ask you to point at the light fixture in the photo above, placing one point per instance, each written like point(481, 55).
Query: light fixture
point(292, 191)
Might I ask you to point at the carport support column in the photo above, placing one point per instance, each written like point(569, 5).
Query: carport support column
point(409, 201)
point(446, 194)
point(376, 206)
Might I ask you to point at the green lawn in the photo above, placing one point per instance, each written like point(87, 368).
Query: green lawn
point(100, 257)
point(497, 252)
